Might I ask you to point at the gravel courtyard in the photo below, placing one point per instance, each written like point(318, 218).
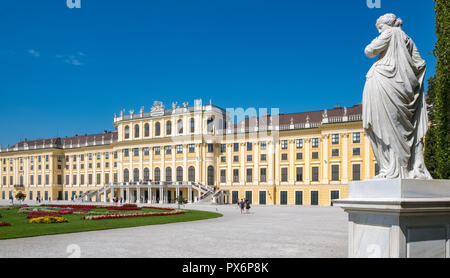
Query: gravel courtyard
point(266, 232)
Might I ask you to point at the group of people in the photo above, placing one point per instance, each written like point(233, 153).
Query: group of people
point(244, 204)
point(116, 200)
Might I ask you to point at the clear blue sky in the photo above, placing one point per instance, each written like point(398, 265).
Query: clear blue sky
point(66, 71)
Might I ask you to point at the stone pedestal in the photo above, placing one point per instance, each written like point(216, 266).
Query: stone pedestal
point(398, 218)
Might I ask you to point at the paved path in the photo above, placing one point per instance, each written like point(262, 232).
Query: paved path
point(268, 231)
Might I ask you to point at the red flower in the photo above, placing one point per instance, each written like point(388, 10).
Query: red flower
point(4, 224)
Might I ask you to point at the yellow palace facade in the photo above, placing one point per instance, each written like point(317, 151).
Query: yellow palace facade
point(196, 152)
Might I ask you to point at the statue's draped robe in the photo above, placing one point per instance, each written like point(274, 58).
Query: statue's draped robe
point(394, 111)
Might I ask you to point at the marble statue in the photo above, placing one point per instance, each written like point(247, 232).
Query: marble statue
point(394, 109)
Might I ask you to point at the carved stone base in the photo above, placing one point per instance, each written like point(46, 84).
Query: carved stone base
point(398, 218)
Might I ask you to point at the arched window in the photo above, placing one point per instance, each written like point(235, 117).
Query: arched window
point(210, 125)
point(146, 174)
point(179, 173)
point(157, 174)
point(136, 175)
point(127, 132)
point(191, 173)
point(126, 175)
point(180, 126)
point(210, 180)
point(168, 128)
point(136, 131)
point(157, 129)
point(146, 130)
point(192, 125)
point(168, 174)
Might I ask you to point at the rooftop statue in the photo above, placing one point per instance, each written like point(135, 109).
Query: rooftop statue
point(394, 110)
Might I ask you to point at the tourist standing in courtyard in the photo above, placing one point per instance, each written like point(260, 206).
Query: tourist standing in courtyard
point(242, 205)
point(247, 206)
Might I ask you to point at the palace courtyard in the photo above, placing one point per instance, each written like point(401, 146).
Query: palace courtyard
point(265, 232)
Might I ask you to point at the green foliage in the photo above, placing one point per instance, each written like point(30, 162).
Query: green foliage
point(20, 196)
point(440, 114)
point(430, 140)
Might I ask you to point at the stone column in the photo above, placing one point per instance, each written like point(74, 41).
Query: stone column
point(161, 195)
point(149, 195)
point(307, 153)
point(128, 194)
point(138, 194)
point(324, 158)
point(345, 158)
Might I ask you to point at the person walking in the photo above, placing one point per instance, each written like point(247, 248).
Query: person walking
point(242, 205)
point(247, 206)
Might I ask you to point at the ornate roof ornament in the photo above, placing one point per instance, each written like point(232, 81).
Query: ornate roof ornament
point(157, 109)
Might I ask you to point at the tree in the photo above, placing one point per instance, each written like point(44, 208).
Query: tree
point(20, 196)
point(439, 135)
point(430, 139)
point(181, 201)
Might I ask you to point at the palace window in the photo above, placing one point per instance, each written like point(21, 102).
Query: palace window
point(81, 179)
point(263, 157)
point(356, 137)
point(99, 179)
point(223, 159)
point(334, 152)
point(146, 174)
point(315, 142)
point(99, 156)
point(223, 174)
point(299, 173)
point(74, 158)
point(126, 176)
point(235, 175)
point(334, 139)
point(315, 173)
point(179, 148)
point(263, 145)
point(284, 156)
point(146, 130)
point(135, 174)
point(180, 126)
point(115, 155)
point(334, 172)
point(168, 149)
point(127, 132)
point(107, 155)
point(284, 174)
point(299, 156)
point(192, 125)
point(81, 157)
point(315, 155)
point(136, 131)
point(157, 129)
point(236, 158)
point(263, 174)
point(157, 174)
point(191, 148)
point(146, 151)
point(223, 148)
point(236, 147)
point(356, 151)
point(168, 128)
point(191, 173)
point(249, 158)
point(126, 152)
point(90, 156)
point(299, 143)
point(356, 170)
point(284, 144)
point(168, 174)
point(249, 175)
point(136, 152)
point(90, 177)
point(249, 146)
point(157, 150)
point(179, 173)
point(210, 148)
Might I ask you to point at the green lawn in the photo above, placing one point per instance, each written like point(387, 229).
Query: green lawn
point(20, 226)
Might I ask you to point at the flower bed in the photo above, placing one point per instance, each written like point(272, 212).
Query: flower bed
point(102, 217)
point(65, 211)
point(48, 220)
point(169, 209)
point(4, 224)
point(36, 214)
point(123, 208)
